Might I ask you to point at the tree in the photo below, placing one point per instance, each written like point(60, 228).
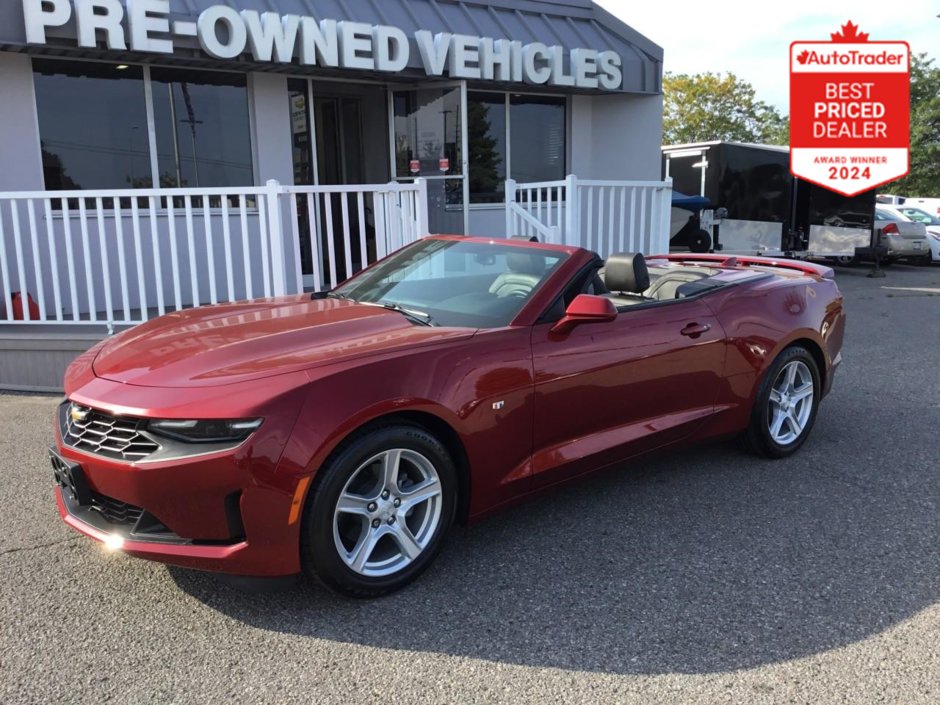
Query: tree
point(923, 180)
point(712, 106)
point(484, 156)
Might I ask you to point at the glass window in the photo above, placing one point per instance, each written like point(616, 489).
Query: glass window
point(92, 125)
point(537, 136)
point(427, 132)
point(887, 216)
point(203, 133)
point(537, 128)
point(830, 208)
point(300, 131)
point(919, 216)
point(486, 137)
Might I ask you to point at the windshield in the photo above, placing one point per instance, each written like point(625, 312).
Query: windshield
point(889, 216)
point(456, 282)
point(919, 216)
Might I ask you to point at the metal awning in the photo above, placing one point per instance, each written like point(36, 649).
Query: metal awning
point(568, 23)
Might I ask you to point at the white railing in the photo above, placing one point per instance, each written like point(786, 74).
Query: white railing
point(374, 221)
point(604, 216)
point(121, 257)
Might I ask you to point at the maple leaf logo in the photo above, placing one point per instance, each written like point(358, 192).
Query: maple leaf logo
point(849, 34)
point(802, 56)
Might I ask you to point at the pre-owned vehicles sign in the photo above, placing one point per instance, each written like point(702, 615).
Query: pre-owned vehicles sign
point(224, 32)
point(849, 111)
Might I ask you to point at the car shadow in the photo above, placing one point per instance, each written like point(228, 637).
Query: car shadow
point(701, 561)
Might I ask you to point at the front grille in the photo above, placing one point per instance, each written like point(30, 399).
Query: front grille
point(115, 511)
point(97, 432)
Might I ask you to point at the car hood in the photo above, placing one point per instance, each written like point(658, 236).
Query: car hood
point(226, 343)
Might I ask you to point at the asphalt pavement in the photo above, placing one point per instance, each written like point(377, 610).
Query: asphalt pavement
point(703, 576)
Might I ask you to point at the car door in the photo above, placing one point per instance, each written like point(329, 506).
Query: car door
point(608, 391)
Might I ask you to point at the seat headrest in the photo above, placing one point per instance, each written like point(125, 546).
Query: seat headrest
point(525, 263)
point(626, 272)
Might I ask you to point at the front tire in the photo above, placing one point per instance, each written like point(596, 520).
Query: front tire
point(786, 405)
point(379, 512)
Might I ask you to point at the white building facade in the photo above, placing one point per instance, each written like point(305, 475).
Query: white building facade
point(157, 154)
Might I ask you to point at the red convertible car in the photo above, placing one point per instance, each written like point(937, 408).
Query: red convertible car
point(341, 434)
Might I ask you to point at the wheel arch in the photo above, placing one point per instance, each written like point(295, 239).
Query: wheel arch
point(434, 425)
point(800, 339)
point(814, 349)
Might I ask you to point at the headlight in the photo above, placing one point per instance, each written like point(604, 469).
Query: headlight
point(204, 431)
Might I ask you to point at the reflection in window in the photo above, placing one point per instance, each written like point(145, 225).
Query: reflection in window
point(830, 208)
point(536, 132)
point(203, 134)
point(300, 131)
point(537, 135)
point(486, 134)
point(427, 131)
point(92, 125)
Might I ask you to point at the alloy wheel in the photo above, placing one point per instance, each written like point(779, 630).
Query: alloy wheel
point(791, 402)
point(388, 512)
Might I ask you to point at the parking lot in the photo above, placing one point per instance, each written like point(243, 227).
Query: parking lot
point(704, 576)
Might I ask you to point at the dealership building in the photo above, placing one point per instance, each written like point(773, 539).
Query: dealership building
point(160, 153)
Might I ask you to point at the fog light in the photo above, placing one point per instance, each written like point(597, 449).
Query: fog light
point(113, 542)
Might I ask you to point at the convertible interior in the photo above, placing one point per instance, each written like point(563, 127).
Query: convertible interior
point(629, 282)
point(480, 285)
point(624, 278)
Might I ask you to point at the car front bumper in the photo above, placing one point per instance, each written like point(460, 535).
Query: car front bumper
point(233, 510)
point(217, 519)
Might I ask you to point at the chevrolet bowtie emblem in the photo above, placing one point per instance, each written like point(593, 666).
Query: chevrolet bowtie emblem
point(78, 413)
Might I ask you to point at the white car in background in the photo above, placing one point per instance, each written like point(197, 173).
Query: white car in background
point(931, 205)
point(904, 238)
point(931, 222)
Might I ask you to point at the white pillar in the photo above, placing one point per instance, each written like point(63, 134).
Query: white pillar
point(20, 150)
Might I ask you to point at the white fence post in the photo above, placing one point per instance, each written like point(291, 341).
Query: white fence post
point(510, 202)
point(662, 237)
point(276, 238)
point(572, 211)
point(422, 207)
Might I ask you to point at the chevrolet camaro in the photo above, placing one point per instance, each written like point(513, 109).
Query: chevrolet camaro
point(341, 434)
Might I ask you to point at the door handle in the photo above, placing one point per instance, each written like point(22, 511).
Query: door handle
point(694, 330)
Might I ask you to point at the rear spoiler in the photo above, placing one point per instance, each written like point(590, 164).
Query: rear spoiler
point(810, 268)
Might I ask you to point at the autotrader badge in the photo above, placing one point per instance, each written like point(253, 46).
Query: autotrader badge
point(849, 111)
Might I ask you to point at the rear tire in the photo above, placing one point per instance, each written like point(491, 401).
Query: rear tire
point(379, 512)
point(786, 405)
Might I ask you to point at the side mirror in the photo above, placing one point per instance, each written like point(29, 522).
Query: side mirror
point(585, 309)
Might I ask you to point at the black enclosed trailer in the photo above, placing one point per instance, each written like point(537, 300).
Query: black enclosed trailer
point(769, 210)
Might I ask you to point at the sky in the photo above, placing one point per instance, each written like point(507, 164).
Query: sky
point(751, 39)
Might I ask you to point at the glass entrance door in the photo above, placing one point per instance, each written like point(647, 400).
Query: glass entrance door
point(430, 141)
point(331, 154)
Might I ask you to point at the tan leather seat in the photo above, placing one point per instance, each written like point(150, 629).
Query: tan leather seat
point(526, 271)
point(666, 287)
